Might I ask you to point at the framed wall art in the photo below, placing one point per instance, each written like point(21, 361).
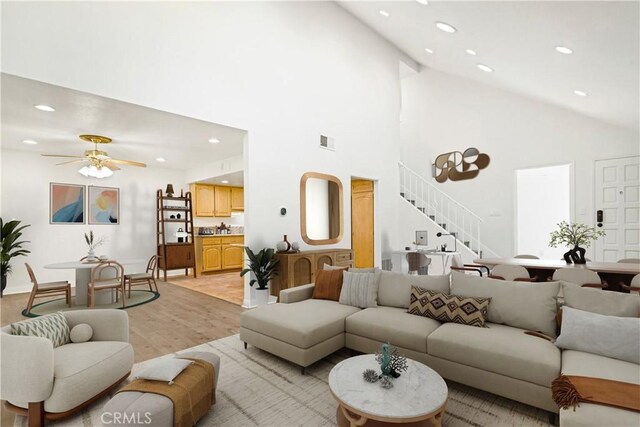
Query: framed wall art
point(104, 205)
point(66, 203)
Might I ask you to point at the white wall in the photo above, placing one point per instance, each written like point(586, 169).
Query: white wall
point(443, 113)
point(284, 71)
point(25, 196)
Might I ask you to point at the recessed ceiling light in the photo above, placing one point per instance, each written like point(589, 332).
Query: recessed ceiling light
point(30, 142)
point(384, 13)
point(214, 141)
point(423, 2)
point(471, 52)
point(43, 107)
point(224, 181)
point(580, 93)
point(485, 68)
point(161, 159)
point(426, 49)
point(445, 27)
point(565, 50)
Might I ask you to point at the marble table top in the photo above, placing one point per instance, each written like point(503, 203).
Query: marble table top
point(417, 392)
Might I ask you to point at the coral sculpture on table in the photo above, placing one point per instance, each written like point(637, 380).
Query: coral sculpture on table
point(392, 363)
point(370, 376)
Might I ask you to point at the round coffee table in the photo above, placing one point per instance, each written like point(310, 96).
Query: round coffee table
point(418, 397)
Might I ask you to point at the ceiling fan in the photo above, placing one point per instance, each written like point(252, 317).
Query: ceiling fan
point(100, 165)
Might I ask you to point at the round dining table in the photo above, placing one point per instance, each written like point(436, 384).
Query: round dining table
point(83, 277)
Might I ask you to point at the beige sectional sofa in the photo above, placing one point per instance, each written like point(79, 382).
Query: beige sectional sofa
point(499, 358)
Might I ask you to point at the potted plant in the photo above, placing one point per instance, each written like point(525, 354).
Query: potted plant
point(11, 247)
point(576, 236)
point(93, 244)
point(263, 266)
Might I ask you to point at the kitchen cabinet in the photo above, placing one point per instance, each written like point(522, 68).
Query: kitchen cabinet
point(204, 195)
point(222, 203)
point(219, 253)
point(237, 199)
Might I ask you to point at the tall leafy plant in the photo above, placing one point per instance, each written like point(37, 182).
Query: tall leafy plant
point(262, 265)
point(11, 245)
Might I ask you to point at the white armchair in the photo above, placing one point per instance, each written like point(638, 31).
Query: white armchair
point(40, 381)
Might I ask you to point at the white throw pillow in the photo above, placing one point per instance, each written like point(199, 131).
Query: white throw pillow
point(602, 302)
point(609, 336)
point(164, 370)
point(359, 289)
point(82, 332)
point(523, 305)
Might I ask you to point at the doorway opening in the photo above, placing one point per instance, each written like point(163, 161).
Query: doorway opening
point(543, 199)
point(362, 217)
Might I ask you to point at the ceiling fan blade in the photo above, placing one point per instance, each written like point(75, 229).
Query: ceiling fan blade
point(128, 162)
point(62, 155)
point(111, 165)
point(71, 161)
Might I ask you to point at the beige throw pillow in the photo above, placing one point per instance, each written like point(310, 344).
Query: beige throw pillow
point(524, 305)
point(164, 370)
point(601, 301)
point(359, 289)
point(395, 288)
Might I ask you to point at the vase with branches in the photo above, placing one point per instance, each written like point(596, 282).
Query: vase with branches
point(576, 236)
point(92, 243)
point(10, 247)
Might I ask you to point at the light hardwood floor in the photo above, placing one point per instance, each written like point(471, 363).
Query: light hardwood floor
point(179, 319)
point(227, 286)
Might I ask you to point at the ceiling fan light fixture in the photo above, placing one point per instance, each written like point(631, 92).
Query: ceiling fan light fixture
point(94, 172)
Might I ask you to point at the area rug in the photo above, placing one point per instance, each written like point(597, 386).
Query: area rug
point(256, 388)
point(138, 297)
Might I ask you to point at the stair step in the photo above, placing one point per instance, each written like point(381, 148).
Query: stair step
point(432, 217)
point(423, 210)
point(413, 202)
point(443, 226)
point(467, 243)
point(402, 194)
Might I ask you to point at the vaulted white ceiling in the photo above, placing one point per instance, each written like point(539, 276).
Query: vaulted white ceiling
point(517, 39)
point(139, 133)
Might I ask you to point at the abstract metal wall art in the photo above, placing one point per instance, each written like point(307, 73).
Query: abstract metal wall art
point(458, 166)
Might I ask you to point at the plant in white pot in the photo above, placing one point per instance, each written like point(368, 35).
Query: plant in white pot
point(263, 266)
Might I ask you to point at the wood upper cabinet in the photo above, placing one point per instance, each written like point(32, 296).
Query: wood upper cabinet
point(232, 257)
point(222, 204)
point(211, 257)
point(204, 200)
point(237, 199)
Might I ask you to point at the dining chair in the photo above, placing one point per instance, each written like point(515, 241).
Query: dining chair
point(629, 260)
point(634, 287)
point(514, 273)
point(458, 265)
point(526, 256)
point(418, 263)
point(580, 276)
point(146, 278)
point(106, 276)
point(40, 290)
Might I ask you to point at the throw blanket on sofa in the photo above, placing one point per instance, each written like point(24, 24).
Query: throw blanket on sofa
point(569, 390)
point(191, 392)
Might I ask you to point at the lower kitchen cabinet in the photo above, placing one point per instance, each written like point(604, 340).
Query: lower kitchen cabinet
point(219, 253)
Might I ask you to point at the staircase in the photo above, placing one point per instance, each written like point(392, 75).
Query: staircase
point(452, 217)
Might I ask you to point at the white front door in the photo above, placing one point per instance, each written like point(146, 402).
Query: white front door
point(618, 197)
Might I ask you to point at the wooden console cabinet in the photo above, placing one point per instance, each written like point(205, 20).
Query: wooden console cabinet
point(295, 269)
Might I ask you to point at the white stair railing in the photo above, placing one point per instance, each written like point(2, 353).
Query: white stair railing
point(449, 214)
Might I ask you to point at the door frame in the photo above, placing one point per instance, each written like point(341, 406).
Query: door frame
point(572, 195)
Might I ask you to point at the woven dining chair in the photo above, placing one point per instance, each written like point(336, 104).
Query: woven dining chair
point(146, 278)
point(47, 289)
point(106, 276)
point(515, 273)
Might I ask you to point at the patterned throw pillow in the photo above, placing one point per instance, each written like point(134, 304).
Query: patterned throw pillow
point(328, 284)
point(359, 289)
point(448, 308)
point(52, 326)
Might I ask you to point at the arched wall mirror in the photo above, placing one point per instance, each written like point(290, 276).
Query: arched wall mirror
point(321, 217)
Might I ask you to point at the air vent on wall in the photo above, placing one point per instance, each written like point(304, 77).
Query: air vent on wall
point(327, 143)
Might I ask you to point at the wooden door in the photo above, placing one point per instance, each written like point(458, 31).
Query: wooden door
point(232, 257)
point(211, 258)
point(237, 199)
point(222, 205)
point(204, 200)
point(362, 240)
point(617, 195)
